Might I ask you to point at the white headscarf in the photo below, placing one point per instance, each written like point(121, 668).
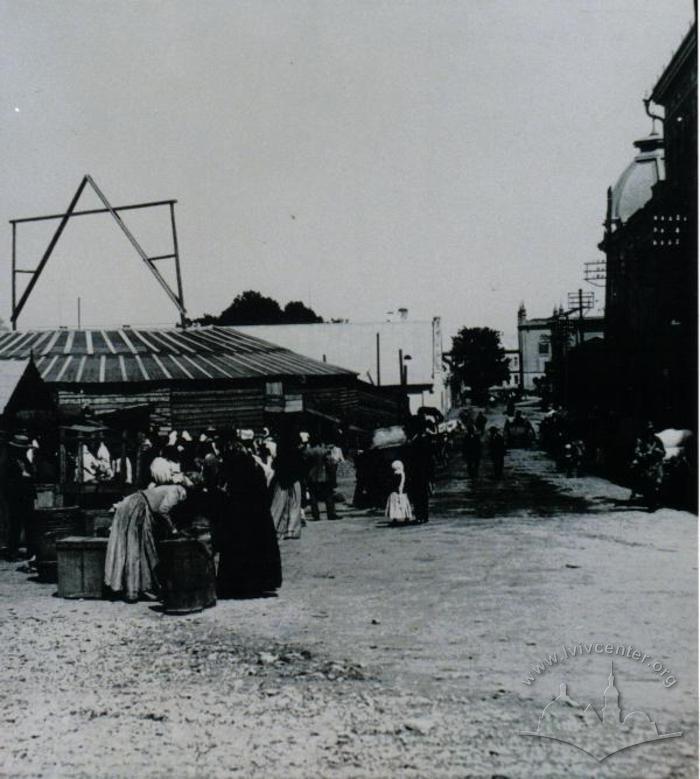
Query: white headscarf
point(161, 471)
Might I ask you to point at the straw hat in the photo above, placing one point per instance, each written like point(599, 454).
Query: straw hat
point(20, 441)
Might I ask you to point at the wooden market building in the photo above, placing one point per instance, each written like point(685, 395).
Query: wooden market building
point(193, 378)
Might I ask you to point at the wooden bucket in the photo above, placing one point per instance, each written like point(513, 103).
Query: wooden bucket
point(187, 576)
point(48, 526)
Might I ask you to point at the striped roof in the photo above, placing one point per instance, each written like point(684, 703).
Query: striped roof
point(168, 354)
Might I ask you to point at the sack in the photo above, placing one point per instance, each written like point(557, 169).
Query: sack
point(385, 437)
point(398, 507)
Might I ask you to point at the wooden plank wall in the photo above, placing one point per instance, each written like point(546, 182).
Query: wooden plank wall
point(111, 399)
point(377, 408)
point(194, 411)
point(334, 401)
point(182, 408)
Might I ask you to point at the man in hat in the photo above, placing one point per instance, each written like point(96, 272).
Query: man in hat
point(19, 492)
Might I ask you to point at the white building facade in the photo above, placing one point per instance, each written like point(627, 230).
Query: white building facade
point(375, 351)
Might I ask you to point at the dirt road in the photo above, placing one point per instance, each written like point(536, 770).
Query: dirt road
point(389, 651)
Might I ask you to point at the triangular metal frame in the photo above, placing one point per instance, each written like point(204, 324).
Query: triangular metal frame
point(175, 296)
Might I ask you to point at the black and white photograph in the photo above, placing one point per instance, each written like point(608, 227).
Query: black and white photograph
point(348, 389)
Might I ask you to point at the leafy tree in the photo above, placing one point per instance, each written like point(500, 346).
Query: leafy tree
point(252, 308)
point(296, 313)
point(478, 361)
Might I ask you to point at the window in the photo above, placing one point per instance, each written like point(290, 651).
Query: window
point(543, 345)
point(274, 388)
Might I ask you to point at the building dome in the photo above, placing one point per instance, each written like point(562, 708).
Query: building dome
point(634, 187)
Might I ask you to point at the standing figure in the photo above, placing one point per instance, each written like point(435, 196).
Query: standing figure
point(572, 456)
point(480, 422)
point(139, 521)
point(472, 448)
point(398, 506)
point(318, 480)
point(286, 489)
point(249, 555)
point(497, 451)
point(647, 467)
point(20, 493)
point(519, 431)
point(420, 473)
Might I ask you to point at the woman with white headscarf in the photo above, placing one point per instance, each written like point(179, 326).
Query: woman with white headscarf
point(139, 521)
point(398, 506)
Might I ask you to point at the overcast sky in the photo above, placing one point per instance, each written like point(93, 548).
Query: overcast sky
point(450, 157)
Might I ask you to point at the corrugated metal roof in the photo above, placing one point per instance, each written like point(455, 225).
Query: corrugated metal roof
point(143, 355)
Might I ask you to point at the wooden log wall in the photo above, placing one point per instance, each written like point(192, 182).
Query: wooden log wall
point(194, 410)
point(337, 402)
point(377, 407)
point(114, 398)
point(194, 407)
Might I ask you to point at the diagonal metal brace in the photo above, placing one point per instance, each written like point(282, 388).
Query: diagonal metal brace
point(142, 254)
point(177, 299)
point(49, 249)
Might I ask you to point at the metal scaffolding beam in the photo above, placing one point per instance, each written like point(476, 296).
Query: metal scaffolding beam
point(177, 297)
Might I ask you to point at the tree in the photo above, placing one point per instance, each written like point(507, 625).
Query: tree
point(252, 308)
point(478, 361)
point(296, 313)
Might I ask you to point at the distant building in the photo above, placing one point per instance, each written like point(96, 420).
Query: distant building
point(375, 351)
point(513, 356)
point(650, 243)
point(537, 340)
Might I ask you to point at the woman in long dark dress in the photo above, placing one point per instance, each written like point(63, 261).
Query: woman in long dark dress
point(249, 559)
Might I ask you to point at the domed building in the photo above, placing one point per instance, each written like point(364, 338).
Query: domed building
point(632, 233)
point(650, 243)
point(635, 186)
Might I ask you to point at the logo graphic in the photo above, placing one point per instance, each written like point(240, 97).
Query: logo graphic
point(599, 735)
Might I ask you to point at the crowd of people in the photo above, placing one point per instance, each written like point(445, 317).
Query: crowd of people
point(248, 490)
point(659, 465)
point(480, 437)
point(252, 491)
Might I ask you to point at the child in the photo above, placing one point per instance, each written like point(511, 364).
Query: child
point(398, 507)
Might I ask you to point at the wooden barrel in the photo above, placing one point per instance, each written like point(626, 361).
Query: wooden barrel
point(49, 525)
point(187, 576)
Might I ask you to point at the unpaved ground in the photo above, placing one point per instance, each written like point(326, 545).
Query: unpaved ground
point(390, 652)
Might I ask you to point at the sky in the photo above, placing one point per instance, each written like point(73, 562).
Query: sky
point(451, 157)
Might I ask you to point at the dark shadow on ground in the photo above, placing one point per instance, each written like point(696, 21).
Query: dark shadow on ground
point(517, 493)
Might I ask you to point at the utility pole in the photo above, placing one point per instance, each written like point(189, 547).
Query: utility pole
point(379, 365)
point(579, 302)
